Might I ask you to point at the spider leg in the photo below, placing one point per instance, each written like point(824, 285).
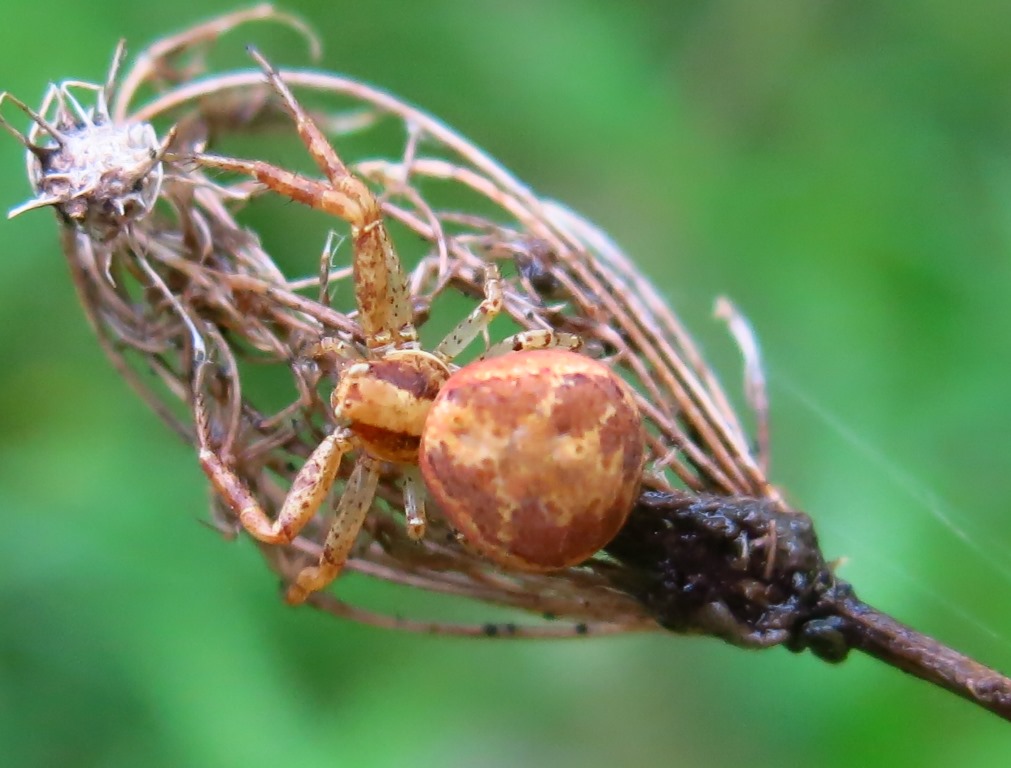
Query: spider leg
point(535, 339)
point(351, 511)
point(308, 489)
point(477, 321)
point(414, 502)
point(381, 290)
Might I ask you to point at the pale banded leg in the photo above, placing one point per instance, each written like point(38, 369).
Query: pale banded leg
point(540, 339)
point(354, 505)
point(477, 321)
point(414, 502)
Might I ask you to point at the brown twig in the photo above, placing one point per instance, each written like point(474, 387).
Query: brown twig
point(879, 635)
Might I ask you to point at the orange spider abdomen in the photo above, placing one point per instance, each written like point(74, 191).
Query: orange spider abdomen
point(534, 457)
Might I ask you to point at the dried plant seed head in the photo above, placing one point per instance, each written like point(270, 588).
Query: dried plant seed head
point(98, 174)
point(535, 457)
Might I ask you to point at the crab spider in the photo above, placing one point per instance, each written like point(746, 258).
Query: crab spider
point(384, 393)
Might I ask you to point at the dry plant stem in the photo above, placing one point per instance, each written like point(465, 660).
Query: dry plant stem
point(902, 647)
point(330, 604)
point(740, 569)
point(154, 62)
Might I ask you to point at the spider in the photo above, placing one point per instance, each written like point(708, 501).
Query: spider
point(384, 394)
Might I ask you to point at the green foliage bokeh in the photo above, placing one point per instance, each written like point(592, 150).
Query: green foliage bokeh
point(842, 170)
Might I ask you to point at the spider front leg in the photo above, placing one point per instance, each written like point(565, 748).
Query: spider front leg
point(308, 491)
point(381, 289)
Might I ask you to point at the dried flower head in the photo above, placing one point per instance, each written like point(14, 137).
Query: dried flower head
point(710, 545)
point(99, 175)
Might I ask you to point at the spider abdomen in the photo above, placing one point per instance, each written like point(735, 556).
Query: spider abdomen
point(535, 457)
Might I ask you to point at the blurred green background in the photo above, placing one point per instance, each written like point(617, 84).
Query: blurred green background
point(842, 170)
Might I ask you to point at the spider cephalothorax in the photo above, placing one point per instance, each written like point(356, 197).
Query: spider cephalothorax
point(386, 402)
